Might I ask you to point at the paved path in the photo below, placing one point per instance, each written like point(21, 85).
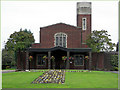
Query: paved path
point(7, 71)
point(51, 76)
point(113, 71)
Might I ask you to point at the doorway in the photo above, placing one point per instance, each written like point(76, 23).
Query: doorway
point(59, 63)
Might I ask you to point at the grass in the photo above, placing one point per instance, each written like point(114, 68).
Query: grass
point(92, 79)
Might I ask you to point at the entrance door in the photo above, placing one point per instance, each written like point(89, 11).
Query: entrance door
point(59, 63)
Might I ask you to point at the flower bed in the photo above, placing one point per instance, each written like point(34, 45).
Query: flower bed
point(52, 76)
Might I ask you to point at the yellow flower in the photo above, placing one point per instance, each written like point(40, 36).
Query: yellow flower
point(59, 82)
point(30, 58)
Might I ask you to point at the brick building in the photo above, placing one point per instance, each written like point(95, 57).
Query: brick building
point(60, 40)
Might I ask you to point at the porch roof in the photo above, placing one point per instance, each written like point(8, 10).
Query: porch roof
point(59, 48)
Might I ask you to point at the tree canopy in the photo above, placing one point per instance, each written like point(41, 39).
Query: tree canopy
point(100, 41)
point(8, 57)
point(20, 40)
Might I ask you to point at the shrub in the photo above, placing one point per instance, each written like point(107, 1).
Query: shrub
point(7, 67)
point(114, 62)
point(116, 68)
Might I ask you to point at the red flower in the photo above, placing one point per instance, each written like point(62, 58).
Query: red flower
point(64, 58)
point(71, 58)
point(86, 57)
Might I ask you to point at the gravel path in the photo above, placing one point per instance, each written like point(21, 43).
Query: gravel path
point(113, 71)
point(51, 76)
point(7, 71)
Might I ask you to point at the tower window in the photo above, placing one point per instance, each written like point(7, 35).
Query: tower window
point(60, 39)
point(84, 23)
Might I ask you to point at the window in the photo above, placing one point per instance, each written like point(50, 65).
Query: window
point(60, 39)
point(84, 24)
point(40, 60)
point(79, 60)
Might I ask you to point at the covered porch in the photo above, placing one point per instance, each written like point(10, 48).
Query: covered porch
point(58, 53)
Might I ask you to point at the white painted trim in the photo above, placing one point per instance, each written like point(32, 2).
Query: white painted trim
point(62, 39)
point(84, 28)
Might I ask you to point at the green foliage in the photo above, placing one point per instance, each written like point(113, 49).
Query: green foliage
point(114, 62)
point(7, 67)
point(20, 40)
point(52, 58)
point(8, 57)
point(100, 41)
point(64, 58)
point(115, 69)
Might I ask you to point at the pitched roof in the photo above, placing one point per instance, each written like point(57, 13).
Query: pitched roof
point(60, 24)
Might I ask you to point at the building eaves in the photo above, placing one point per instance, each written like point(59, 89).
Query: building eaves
point(61, 23)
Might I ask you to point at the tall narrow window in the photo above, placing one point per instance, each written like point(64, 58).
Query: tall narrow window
point(84, 23)
point(56, 41)
point(60, 39)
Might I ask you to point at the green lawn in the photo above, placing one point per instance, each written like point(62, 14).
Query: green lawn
point(94, 79)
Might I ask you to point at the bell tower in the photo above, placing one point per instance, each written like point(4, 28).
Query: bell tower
point(84, 19)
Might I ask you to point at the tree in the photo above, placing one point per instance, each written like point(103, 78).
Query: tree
point(114, 62)
point(7, 57)
point(100, 41)
point(19, 41)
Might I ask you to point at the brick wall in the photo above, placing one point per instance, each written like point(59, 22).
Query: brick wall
point(21, 60)
point(86, 32)
point(74, 34)
point(98, 61)
point(47, 36)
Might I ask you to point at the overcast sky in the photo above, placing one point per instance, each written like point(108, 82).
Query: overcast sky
point(35, 14)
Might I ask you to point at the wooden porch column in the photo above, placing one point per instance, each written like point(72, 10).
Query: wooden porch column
point(68, 64)
point(49, 62)
point(90, 60)
point(27, 61)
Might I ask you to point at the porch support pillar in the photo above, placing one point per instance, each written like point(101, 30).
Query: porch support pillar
point(27, 61)
point(90, 60)
point(68, 64)
point(49, 62)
